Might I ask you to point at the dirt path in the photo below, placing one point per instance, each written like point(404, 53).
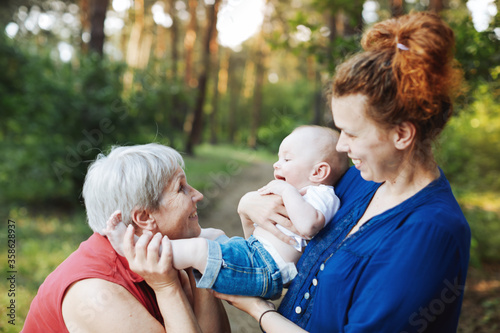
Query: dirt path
point(222, 214)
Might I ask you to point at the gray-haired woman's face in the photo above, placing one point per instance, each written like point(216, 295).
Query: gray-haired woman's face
point(177, 216)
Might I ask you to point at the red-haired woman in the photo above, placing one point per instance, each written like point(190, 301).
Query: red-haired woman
point(395, 256)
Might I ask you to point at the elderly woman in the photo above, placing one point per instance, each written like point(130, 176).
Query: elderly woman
point(95, 290)
point(395, 256)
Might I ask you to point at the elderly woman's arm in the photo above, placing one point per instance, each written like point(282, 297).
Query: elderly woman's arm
point(157, 270)
point(200, 312)
point(96, 305)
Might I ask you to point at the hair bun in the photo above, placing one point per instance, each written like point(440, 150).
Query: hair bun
point(382, 36)
point(406, 74)
point(421, 45)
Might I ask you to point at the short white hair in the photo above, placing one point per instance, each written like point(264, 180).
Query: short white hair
point(128, 178)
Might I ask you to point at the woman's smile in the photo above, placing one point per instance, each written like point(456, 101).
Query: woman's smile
point(356, 162)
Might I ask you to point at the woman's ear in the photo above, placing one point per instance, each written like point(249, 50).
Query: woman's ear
point(143, 219)
point(404, 135)
point(320, 172)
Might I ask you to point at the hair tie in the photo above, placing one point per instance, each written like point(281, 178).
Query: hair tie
point(402, 47)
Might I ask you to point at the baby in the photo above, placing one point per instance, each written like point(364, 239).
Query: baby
point(308, 165)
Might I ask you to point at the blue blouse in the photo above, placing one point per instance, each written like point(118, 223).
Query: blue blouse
point(403, 271)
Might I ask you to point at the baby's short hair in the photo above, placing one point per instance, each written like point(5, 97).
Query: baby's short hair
point(326, 141)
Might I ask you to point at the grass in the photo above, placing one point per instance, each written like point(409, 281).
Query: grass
point(45, 239)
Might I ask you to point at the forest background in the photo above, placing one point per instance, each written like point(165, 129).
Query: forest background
point(212, 79)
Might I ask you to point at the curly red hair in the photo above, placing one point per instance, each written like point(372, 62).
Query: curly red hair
point(408, 73)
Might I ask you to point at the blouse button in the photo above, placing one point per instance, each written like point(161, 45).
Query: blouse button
point(322, 267)
point(298, 310)
point(315, 282)
point(307, 295)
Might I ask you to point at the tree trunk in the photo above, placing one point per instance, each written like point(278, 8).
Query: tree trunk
point(353, 21)
point(257, 100)
point(98, 10)
point(174, 30)
point(177, 116)
point(436, 6)
point(189, 41)
point(134, 44)
point(397, 8)
point(161, 43)
point(215, 100)
point(234, 95)
point(318, 100)
point(197, 125)
point(214, 51)
point(85, 22)
point(332, 24)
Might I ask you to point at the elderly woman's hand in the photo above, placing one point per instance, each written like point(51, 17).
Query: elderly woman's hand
point(266, 211)
point(145, 259)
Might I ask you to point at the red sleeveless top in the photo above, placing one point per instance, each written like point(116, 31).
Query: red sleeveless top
point(95, 258)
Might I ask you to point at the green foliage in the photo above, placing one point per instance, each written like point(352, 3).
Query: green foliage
point(477, 52)
point(469, 148)
point(58, 117)
point(339, 50)
point(285, 106)
point(55, 118)
point(158, 107)
point(468, 152)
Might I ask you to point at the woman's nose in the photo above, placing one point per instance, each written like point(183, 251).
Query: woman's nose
point(196, 195)
point(342, 146)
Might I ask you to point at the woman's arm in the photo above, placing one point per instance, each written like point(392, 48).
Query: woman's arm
point(209, 310)
point(96, 305)
point(266, 212)
point(259, 309)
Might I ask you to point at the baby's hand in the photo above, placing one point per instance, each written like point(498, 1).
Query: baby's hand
point(275, 187)
point(115, 231)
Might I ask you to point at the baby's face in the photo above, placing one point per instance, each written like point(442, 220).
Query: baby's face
point(296, 160)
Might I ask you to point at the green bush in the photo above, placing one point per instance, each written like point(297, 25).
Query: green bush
point(57, 117)
point(469, 145)
point(468, 152)
point(285, 106)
